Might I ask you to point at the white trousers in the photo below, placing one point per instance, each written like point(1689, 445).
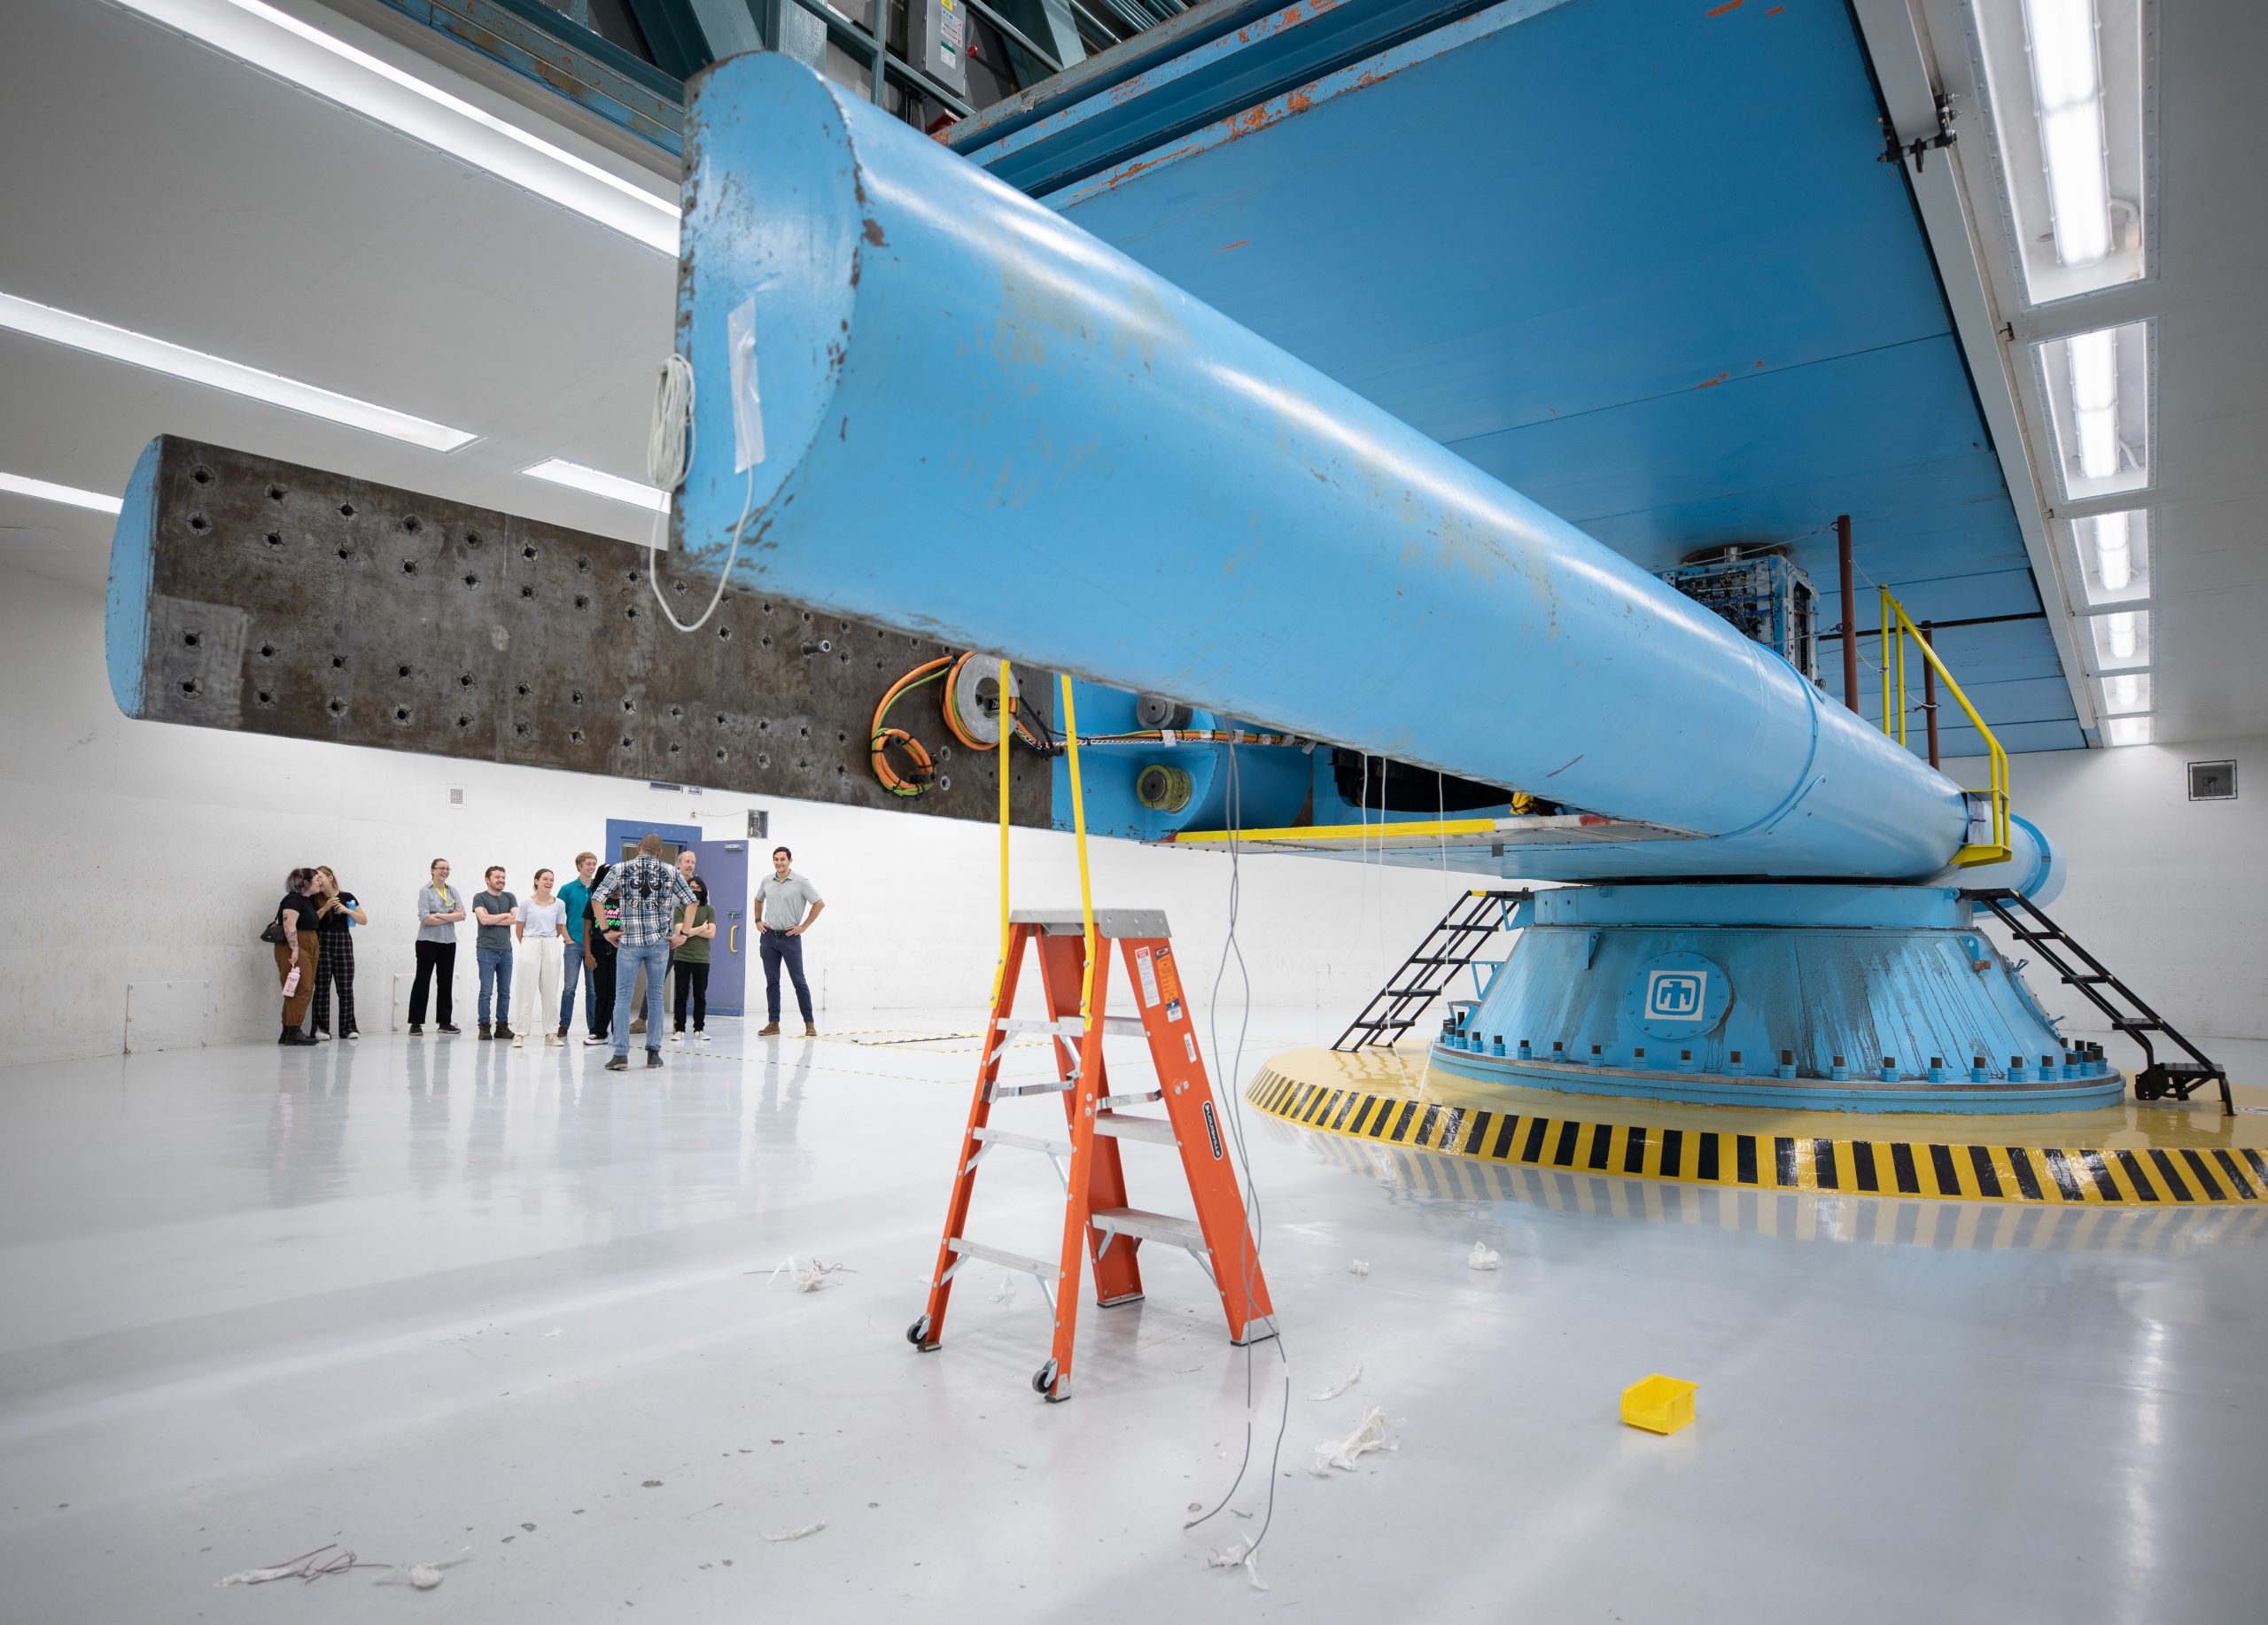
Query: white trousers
point(535, 987)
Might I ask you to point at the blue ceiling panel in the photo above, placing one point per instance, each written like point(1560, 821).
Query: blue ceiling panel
point(1638, 259)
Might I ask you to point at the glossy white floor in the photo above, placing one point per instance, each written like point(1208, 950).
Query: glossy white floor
point(421, 1298)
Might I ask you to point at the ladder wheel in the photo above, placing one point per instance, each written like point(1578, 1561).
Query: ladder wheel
point(918, 1333)
point(1044, 1379)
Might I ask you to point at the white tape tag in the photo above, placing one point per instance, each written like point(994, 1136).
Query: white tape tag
point(747, 402)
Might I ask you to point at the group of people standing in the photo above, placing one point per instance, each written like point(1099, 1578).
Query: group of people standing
point(618, 930)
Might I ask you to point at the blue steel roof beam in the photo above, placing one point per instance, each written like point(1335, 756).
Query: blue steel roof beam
point(674, 34)
point(1134, 489)
point(1208, 82)
point(535, 42)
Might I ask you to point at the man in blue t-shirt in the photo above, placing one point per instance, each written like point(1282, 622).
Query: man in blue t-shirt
point(575, 893)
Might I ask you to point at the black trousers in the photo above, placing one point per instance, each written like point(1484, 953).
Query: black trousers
point(335, 968)
point(693, 978)
point(601, 972)
point(434, 960)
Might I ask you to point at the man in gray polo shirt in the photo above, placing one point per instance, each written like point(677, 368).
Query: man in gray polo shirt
point(781, 919)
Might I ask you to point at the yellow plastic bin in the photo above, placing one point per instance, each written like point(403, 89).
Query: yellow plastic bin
point(1658, 1404)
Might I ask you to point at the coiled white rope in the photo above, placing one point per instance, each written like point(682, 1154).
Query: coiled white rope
point(668, 446)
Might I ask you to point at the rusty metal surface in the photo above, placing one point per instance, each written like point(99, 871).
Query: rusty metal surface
point(284, 599)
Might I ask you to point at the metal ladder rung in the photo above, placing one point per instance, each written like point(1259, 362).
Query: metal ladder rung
point(1112, 1102)
point(1006, 1259)
point(1156, 1130)
point(1023, 1142)
point(1146, 1226)
point(1072, 1027)
point(1009, 1092)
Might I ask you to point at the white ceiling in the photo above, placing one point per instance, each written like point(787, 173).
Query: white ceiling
point(156, 184)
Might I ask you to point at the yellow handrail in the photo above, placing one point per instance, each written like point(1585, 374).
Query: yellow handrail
point(1895, 625)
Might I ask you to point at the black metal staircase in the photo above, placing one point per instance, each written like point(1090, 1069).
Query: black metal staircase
point(1426, 974)
point(2157, 1078)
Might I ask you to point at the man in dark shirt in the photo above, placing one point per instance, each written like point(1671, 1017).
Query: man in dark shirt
point(493, 948)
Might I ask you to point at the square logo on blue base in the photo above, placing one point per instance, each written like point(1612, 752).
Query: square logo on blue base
point(1675, 995)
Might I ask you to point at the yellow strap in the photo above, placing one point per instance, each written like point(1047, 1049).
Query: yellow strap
point(1000, 962)
point(1079, 836)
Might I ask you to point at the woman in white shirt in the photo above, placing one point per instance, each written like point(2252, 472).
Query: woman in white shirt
point(544, 918)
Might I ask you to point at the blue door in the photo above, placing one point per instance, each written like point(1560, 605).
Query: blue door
point(723, 866)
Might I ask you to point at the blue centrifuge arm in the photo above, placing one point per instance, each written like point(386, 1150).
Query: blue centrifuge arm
point(936, 404)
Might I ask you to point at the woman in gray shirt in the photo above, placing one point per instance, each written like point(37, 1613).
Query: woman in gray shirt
point(439, 909)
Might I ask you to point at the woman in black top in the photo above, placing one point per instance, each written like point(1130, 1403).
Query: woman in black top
point(295, 954)
point(598, 963)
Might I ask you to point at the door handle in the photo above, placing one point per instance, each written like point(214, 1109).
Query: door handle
point(733, 940)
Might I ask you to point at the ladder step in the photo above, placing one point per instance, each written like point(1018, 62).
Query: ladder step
point(1072, 1027)
point(1024, 1142)
point(1112, 1102)
point(2075, 981)
point(1006, 1259)
point(1149, 1227)
point(1009, 1092)
point(1156, 1130)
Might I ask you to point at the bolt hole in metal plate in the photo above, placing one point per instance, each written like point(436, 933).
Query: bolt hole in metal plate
point(463, 631)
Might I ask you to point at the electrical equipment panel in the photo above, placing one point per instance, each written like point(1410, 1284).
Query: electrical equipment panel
point(1763, 594)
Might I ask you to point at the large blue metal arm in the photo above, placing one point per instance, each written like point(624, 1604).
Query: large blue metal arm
point(980, 423)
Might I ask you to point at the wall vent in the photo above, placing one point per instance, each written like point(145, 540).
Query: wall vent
point(2212, 781)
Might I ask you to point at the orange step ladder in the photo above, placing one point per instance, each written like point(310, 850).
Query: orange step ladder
point(1097, 1221)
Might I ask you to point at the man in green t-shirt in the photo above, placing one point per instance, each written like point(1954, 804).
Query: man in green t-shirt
point(690, 938)
point(575, 893)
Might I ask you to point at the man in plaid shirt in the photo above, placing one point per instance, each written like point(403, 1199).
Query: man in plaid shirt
point(649, 892)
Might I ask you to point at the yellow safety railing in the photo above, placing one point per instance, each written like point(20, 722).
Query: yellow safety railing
point(1897, 630)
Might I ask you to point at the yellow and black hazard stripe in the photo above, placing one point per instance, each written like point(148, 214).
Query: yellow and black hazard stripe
point(1969, 1172)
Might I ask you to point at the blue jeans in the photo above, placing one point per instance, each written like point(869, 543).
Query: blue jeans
point(496, 972)
point(570, 973)
point(777, 948)
point(655, 956)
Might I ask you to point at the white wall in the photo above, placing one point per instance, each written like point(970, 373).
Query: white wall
point(149, 856)
point(2166, 891)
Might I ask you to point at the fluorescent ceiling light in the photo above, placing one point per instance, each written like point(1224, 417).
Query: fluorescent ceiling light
point(2067, 81)
point(598, 482)
point(40, 490)
point(303, 55)
point(2122, 639)
point(2122, 633)
point(139, 350)
point(2127, 731)
point(2114, 556)
point(2126, 694)
point(2094, 401)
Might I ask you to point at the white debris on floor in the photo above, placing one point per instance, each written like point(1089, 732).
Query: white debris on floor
point(1368, 1436)
point(1484, 1256)
point(1337, 1388)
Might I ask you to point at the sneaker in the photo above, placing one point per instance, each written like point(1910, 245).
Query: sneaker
point(770, 1030)
point(637, 1024)
point(353, 1038)
point(653, 1058)
point(700, 1038)
point(593, 1040)
point(487, 1031)
point(617, 1064)
point(553, 1040)
point(416, 1029)
point(454, 1032)
point(322, 1037)
point(677, 1038)
point(516, 1041)
point(810, 1032)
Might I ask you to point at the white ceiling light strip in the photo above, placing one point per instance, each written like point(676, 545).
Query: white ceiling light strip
point(2094, 360)
point(40, 490)
point(2066, 77)
point(160, 356)
point(303, 55)
point(598, 482)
